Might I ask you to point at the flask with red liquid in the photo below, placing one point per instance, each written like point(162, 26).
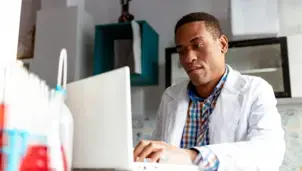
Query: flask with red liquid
point(2, 140)
point(37, 159)
point(40, 153)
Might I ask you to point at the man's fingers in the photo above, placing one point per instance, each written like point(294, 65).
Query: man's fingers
point(155, 156)
point(139, 148)
point(149, 149)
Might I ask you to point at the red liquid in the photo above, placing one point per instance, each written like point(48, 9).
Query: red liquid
point(2, 140)
point(36, 159)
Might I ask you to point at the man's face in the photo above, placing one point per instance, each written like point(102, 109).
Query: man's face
point(200, 53)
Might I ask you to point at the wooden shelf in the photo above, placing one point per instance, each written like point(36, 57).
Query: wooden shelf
point(262, 70)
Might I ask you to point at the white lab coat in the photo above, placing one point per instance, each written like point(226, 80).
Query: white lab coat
point(245, 126)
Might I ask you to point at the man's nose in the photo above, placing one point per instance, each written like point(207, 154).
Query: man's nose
point(190, 56)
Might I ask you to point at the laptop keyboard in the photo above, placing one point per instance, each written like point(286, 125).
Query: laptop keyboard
point(139, 166)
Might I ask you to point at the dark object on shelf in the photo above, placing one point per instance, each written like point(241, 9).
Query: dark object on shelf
point(125, 16)
point(280, 42)
point(106, 37)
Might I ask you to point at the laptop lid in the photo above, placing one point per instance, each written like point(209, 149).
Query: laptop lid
point(101, 109)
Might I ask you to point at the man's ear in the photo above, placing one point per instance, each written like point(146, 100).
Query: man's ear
point(224, 43)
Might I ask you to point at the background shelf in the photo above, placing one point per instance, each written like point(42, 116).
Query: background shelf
point(262, 70)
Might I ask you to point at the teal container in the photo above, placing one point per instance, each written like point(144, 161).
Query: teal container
point(105, 35)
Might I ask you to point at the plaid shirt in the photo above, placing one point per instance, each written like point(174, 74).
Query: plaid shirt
point(196, 130)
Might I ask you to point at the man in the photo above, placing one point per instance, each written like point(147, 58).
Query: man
point(221, 119)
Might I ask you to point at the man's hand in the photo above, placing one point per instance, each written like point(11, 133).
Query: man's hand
point(154, 151)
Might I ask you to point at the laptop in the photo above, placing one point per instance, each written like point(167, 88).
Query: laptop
point(101, 109)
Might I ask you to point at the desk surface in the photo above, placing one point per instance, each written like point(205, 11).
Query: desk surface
point(151, 167)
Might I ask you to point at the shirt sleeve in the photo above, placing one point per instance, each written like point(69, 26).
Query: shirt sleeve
point(207, 159)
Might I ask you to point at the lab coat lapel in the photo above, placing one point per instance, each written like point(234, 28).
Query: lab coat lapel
point(177, 118)
point(225, 116)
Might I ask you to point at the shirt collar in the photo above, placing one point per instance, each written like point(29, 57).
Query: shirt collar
point(193, 94)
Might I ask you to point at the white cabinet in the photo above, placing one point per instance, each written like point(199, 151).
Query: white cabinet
point(46, 4)
point(290, 24)
point(254, 18)
point(71, 28)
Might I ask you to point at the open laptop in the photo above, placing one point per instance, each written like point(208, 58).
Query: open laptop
point(101, 108)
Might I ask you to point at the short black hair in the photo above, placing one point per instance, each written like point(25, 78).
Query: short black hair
point(211, 23)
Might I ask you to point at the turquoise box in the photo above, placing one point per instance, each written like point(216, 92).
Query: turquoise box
point(106, 35)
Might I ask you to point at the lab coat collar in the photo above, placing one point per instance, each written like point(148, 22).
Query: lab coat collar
point(230, 85)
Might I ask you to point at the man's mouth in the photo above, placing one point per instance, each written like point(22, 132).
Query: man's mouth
point(194, 69)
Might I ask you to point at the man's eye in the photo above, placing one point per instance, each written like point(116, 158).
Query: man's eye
point(198, 45)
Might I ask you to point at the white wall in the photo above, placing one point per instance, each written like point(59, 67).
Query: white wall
point(162, 15)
